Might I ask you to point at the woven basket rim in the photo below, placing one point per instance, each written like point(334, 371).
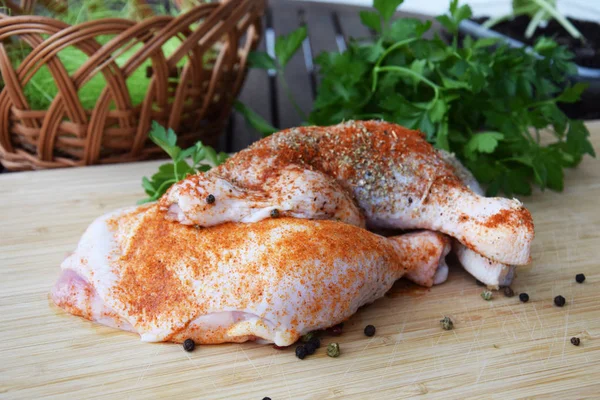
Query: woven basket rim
point(235, 24)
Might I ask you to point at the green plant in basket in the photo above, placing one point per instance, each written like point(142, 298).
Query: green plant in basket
point(41, 88)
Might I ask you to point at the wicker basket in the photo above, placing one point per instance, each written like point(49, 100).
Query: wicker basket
point(194, 99)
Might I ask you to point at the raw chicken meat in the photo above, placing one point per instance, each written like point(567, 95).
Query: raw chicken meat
point(272, 281)
point(397, 179)
point(492, 273)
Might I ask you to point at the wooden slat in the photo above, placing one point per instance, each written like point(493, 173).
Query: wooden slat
point(351, 26)
point(499, 349)
point(255, 94)
point(286, 19)
point(321, 34)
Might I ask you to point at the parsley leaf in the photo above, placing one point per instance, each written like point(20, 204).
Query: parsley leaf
point(484, 142)
point(254, 119)
point(286, 46)
point(260, 59)
point(202, 157)
point(371, 20)
point(387, 8)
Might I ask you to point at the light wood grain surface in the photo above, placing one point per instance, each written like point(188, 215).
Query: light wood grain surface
point(498, 349)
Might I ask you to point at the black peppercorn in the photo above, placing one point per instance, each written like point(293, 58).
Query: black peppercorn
point(369, 330)
point(559, 301)
point(580, 278)
point(316, 342)
point(524, 297)
point(508, 292)
point(301, 352)
point(575, 341)
point(274, 213)
point(210, 199)
point(189, 345)
point(310, 348)
point(266, 398)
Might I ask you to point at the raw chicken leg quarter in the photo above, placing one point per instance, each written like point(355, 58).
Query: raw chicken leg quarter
point(273, 281)
point(397, 179)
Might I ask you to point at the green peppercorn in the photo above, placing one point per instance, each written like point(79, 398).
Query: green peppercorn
point(189, 345)
point(447, 324)
point(333, 350)
point(486, 295)
point(306, 338)
point(210, 199)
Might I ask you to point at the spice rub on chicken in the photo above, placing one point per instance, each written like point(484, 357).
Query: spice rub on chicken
point(396, 178)
point(274, 280)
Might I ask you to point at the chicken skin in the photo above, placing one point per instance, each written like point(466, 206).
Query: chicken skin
point(271, 281)
point(492, 273)
point(396, 178)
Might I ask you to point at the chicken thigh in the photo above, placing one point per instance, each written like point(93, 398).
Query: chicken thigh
point(272, 281)
point(397, 179)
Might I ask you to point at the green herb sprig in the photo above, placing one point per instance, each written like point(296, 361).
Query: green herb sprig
point(285, 48)
point(488, 103)
point(202, 158)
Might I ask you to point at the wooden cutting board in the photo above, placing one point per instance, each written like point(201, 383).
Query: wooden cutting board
point(499, 349)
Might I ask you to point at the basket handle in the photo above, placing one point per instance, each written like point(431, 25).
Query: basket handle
point(143, 10)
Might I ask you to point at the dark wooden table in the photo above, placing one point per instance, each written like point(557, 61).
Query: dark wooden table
point(330, 28)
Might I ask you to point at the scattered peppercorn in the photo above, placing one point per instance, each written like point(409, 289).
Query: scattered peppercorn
point(479, 283)
point(274, 213)
point(370, 330)
point(210, 199)
point(301, 352)
point(447, 323)
point(508, 292)
point(524, 297)
point(310, 348)
point(580, 278)
point(266, 398)
point(307, 338)
point(575, 341)
point(189, 345)
point(316, 342)
point(486, 295)
point(333, 350)
point(559, 301)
